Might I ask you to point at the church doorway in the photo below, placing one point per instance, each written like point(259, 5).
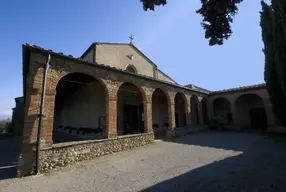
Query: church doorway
point(131, 120)
point(130, 110)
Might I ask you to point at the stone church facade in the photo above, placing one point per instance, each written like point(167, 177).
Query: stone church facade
point(114, 98)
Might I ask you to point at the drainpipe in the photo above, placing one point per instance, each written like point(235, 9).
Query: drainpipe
point(41, 114)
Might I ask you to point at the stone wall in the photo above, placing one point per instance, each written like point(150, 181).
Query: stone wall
point(60, 155)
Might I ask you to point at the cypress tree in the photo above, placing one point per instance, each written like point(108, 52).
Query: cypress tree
point(274, 39)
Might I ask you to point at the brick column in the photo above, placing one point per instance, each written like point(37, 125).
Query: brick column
point(188, 111)
point(111, 107)
point(147, 93)
point(171, 111)
point(27, 156)
point(111, 117)
point(148, 128)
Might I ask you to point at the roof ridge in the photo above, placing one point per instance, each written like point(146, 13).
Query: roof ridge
point(241, 88)
point(105, 66)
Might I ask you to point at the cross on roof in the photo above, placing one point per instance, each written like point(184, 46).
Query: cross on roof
point(131, 38)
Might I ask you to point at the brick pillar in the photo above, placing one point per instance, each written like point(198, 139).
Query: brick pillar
point(27, 156)
point(171, 111)
point(111, 117)
point(148, 128)
point(188, 112)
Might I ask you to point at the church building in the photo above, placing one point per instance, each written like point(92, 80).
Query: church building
point(114, 98)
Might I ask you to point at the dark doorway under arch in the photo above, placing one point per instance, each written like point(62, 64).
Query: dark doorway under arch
point(130, 110)
point(258, 118)
point(180, 110)
point(251, 112)
point(222, 111)
point(79, 108)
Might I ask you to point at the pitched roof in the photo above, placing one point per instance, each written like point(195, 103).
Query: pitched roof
point(134, 47)
point(192, 86)
point(242, 88)
point(130, 44)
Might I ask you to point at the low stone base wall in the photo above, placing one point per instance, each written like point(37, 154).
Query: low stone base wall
point(62, 154)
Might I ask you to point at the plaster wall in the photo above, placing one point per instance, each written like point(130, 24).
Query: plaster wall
point(159, 109)
point(119, 56)
point(163, 77)
point(89, 56)
point(239, 116)
point(83, 108)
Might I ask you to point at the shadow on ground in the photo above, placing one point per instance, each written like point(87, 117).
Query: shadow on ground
point(258, 166)
point(9, 149)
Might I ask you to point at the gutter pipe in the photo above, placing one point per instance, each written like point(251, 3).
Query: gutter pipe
point(41, 114)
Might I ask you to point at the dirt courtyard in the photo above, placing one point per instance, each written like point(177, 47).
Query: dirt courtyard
point(201, 162)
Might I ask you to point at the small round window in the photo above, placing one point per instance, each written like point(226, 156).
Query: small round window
point(130, 69)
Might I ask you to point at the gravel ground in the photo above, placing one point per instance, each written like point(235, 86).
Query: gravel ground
point(203, 162)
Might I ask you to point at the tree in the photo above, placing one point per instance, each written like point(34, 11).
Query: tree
point(274, 36)
point(217, 16)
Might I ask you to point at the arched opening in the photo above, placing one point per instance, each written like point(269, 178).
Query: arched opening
point(131, 69)
point(195, 110)
point(160, 113)
point(130, 110)
point(205, 111)
point(222, 111)
point(251, 112)
point(80, 109)
point(180, 111)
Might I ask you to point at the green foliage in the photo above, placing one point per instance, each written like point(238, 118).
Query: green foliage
point(217, 16)
point(273, 34)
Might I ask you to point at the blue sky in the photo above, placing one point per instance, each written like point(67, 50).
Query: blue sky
point(171, 37)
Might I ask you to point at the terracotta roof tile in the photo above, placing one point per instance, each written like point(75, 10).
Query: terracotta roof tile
point(242, 88)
